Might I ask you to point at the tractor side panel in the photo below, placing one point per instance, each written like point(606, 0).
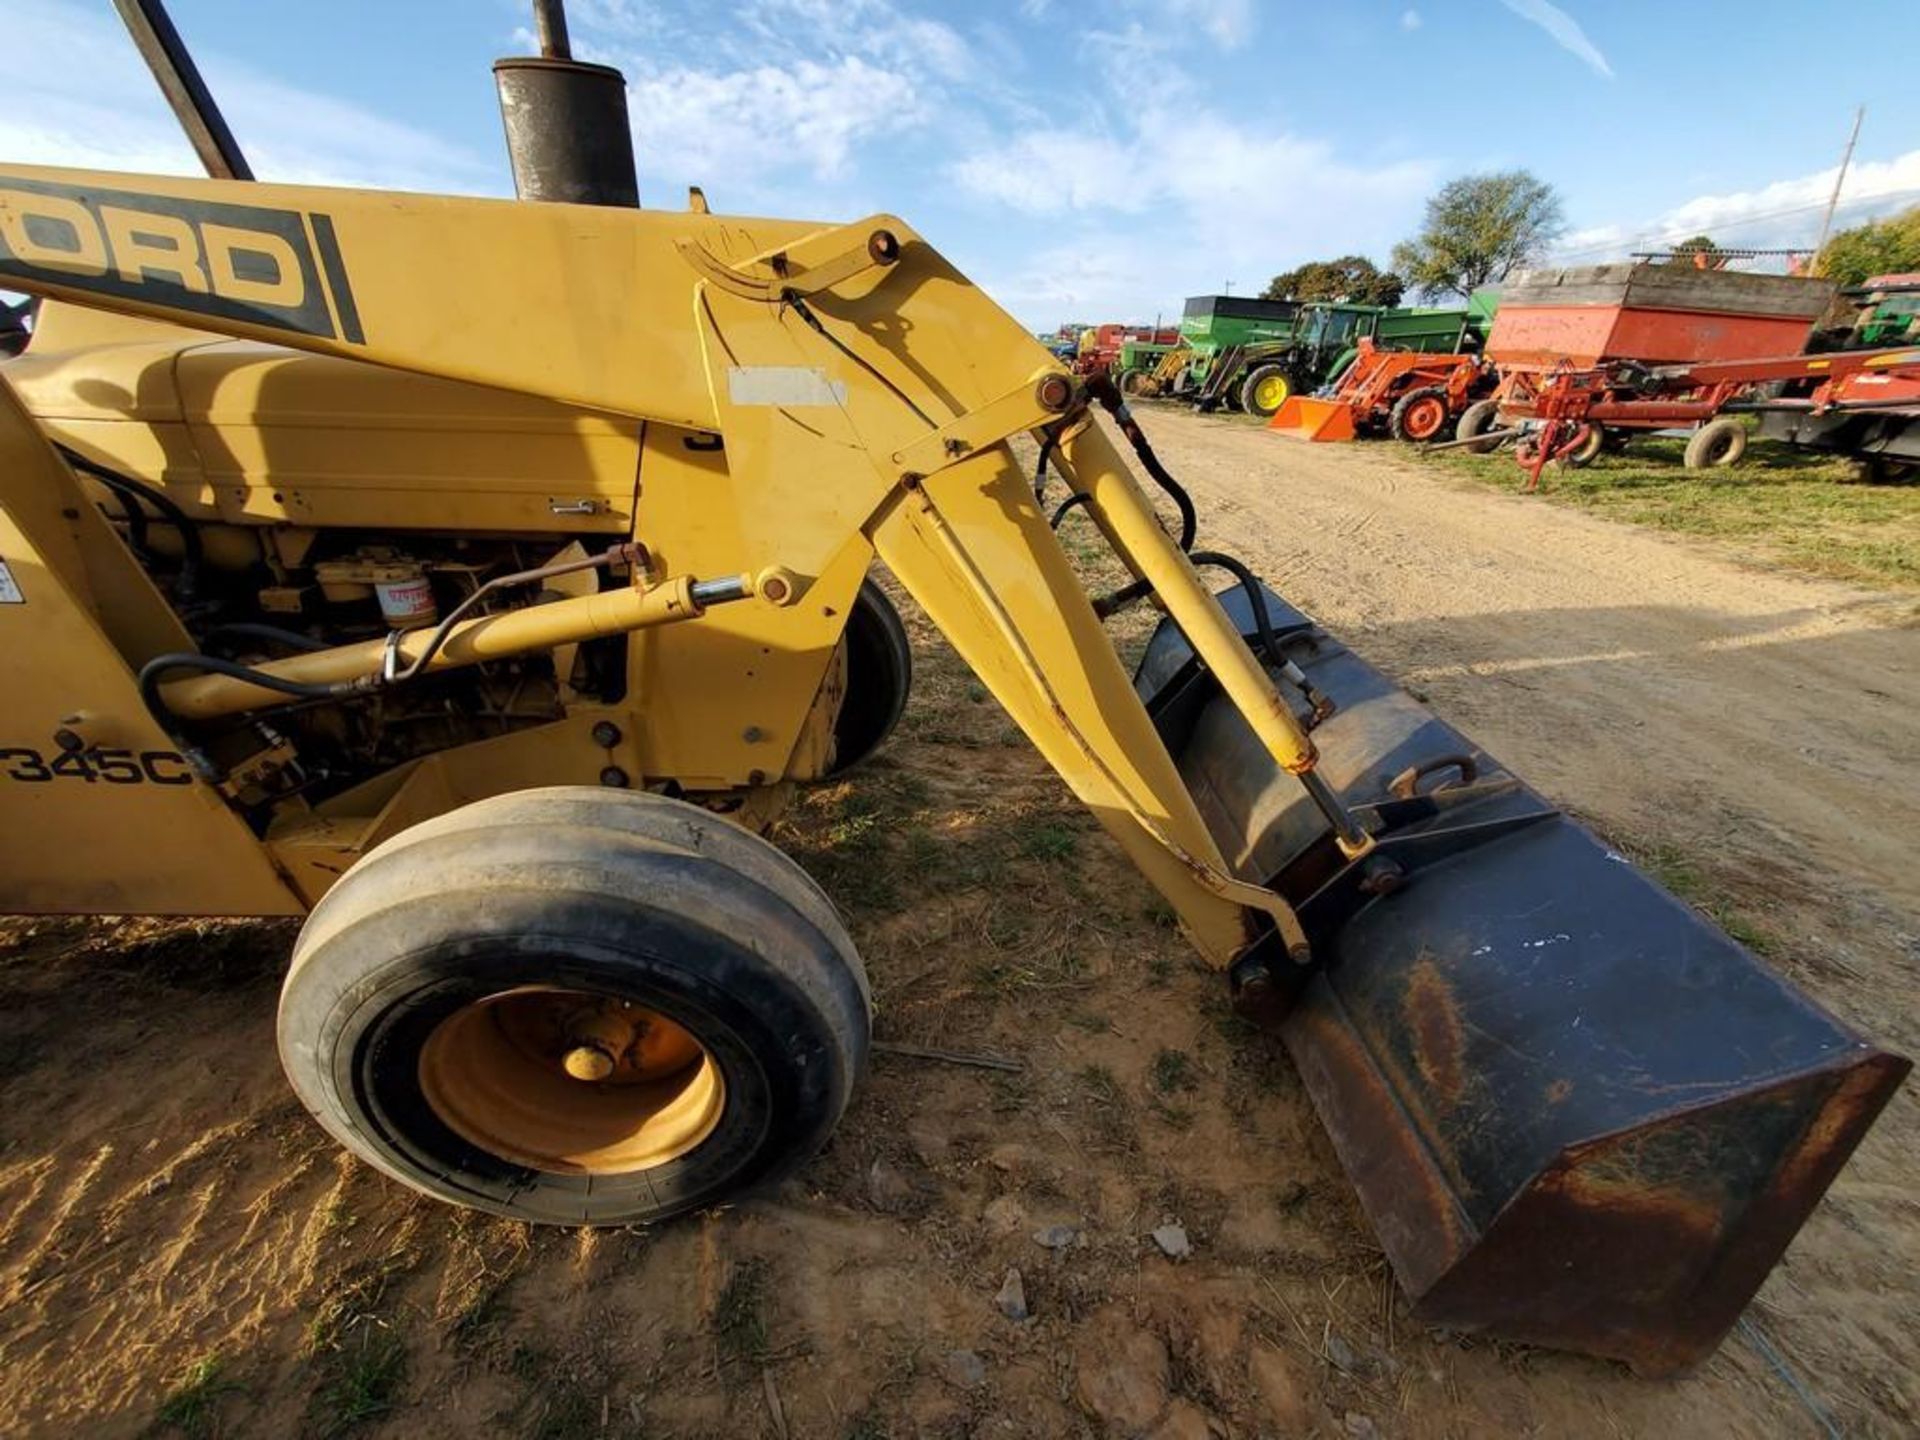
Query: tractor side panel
point(112, 821)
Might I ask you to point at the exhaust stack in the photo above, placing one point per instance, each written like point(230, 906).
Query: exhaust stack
point(566, 122)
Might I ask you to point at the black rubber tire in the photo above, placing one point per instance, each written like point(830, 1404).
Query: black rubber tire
point(1254, 379)
point(1477, 419)
point(1589, 449)
point(623, 893)
point(879, 678)
point(1397, 417)
point(1716, 443)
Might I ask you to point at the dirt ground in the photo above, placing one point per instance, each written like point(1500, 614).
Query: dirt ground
point(181, 1250)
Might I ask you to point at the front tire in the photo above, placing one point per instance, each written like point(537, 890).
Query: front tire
point(1265, 390)
point(1419, 416)
point(879, 678)
point(576, 1006)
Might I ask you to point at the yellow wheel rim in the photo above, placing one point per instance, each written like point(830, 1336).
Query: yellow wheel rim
point(571, 1082)
point(1271, 393)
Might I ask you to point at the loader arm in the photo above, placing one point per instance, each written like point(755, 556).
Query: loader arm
point(863, 389)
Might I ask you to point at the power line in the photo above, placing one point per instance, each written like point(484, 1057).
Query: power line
point(1687, 233)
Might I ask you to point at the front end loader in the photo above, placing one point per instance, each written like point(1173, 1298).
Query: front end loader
point(487, 636)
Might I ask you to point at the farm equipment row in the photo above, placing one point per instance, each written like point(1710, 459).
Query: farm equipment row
point(1566, 363)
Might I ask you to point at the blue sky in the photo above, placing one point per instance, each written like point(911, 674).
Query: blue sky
point(1080, 159)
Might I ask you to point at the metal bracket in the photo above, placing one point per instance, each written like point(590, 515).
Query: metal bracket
point(878, 249)
point(1018, 411)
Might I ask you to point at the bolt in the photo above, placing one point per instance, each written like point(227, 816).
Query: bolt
point(69, 740)
point(614, 778)
point(606, 734)
point(753, 734)
point(774, 588)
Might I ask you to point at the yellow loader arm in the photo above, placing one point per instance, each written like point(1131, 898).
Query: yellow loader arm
point(864, 391)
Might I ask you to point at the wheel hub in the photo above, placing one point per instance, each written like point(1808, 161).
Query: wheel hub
point(571, 1082)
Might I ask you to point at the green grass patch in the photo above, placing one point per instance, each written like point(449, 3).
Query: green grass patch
point(191, 1407)
point(739, 1315)
point(1780, 505)
point(362, 1382)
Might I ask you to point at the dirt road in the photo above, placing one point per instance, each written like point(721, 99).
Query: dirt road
point(179, 1246)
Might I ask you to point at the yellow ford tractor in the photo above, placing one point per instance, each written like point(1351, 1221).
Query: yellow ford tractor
point(488, 637)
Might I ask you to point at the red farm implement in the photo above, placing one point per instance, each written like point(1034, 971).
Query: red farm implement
point(1864, 403)
point(1612, 324)
point(1402, 393)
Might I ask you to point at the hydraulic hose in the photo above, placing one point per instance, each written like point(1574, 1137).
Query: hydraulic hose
point(131, 493)
point(272, 634)
point(1102, 388)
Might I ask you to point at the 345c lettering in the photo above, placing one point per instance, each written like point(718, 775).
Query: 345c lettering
point(92, 766)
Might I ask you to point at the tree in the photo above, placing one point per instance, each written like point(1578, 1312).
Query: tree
point(1697, 253)
point(1478, 230)
point(1880, 247)
point(1352, 277)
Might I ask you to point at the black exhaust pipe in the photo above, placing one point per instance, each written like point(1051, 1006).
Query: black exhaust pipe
point(566, 121)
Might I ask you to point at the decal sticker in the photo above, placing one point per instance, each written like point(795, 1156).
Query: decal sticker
point(783, 385)
point(275, 268)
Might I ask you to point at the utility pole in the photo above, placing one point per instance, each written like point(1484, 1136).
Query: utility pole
point(1229, 289)
point(1833, 201)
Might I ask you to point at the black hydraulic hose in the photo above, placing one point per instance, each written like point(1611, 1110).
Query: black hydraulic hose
point(135, 514)
point(1102, 388)
point(1256, 599)
point(203, 765)
point(1068, 506)
point(272, 634)
point(131, 493)
point(1049, 439)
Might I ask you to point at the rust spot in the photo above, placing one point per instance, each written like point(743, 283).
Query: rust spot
point(1558, 1091)
point(1433, 1024)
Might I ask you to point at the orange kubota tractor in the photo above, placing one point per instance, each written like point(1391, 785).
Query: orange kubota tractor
point(488, 639)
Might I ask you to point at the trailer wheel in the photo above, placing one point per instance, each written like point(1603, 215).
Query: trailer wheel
point(1265, 390)
point(1718, 442)
point(1133, 382)
point(1477, 419)
point(1419, 415)
point(1589, 449)
point(879, 677)
point(576, 1005)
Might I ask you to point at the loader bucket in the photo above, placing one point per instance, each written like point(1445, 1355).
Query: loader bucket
point(1576, 1112)
point(1303, 417)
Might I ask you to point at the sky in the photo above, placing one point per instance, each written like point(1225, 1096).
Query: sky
point(1081, 160)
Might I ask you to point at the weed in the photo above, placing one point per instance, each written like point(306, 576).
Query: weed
point(1159, 971)
point(739, 1316)
point(362, 1382)
point(1048, 840)
point(189, 1407)
point(1101, 1084)
point(1159, 912)
point(1172, 1072)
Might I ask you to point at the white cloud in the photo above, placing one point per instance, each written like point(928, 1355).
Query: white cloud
point(1291, 197)
point(1564, 29)
point(1780, 214)
point(1409, 19)
point(743, 125)
point(1228, 23)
